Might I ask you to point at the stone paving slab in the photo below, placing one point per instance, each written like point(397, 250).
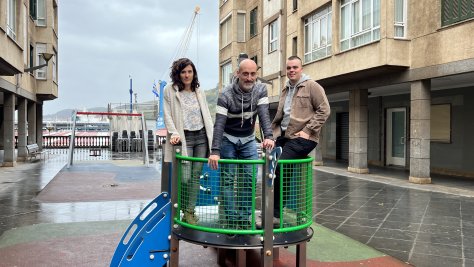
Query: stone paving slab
point(93, 244)
point(101, 182)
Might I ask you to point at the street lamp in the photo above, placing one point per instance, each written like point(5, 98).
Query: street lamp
point(46, 56)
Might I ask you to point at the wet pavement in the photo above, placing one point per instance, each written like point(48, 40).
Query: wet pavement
point(424, 226)
point(21, 185)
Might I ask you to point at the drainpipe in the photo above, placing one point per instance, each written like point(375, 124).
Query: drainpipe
point(17, 86)
point(283, 46)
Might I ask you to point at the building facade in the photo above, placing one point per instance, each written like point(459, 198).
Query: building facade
point(29, 39)
point(399, 76)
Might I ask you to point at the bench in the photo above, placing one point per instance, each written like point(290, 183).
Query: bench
point(33, 151)
point(94, 152)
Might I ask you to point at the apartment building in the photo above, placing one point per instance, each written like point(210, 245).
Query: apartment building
point(29, 40)
point(399, 75)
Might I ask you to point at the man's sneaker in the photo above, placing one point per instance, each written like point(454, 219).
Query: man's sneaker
point(190, 218)
point(244, 225)
point(293, 217)
point(259, 222)
point(276, 222)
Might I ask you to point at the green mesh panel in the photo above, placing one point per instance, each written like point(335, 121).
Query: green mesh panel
point(296, 191)
point(229, 200)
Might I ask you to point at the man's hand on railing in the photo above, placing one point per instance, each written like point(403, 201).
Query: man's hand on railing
point(213, 161)
point(268, 144)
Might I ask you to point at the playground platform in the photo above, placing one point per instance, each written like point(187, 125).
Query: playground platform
point(53, 216)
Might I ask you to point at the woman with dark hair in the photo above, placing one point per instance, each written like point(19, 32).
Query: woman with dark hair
point(188, 120)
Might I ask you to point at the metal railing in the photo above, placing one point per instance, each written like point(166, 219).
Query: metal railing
point(79, 141)
point(219, 197)
point(53, 141)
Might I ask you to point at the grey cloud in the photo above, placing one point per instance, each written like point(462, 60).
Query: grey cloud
point(102, 42)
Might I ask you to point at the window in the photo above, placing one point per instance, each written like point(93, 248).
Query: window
point(33, 8)
point(317, 35)
point(41, 15)
point(441, 123)
point(295, 5)
point(226, 74)
point(255, 59)
point(226, 32)
point(25, 34)
point(360, 22)
point(11, 18)
point(240, 27)
point(38, 11)
point(253, 22)
point(32, 56)
point(400, 18)
point(55, 69)
point(273, 36)
point(40, 48)
point(453, 11)
point(54, 18)
point(295, 46)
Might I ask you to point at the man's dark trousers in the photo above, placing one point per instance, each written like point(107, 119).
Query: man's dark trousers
point(297, 148)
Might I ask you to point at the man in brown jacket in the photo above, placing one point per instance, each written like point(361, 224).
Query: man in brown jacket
point(302, 111)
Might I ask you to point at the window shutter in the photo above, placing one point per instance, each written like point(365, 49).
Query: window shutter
point(240, 27)
point(453, 11)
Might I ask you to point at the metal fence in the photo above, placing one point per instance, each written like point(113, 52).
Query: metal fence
point(229, 200)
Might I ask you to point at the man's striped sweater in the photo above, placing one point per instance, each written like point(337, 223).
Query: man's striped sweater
point(237, 111)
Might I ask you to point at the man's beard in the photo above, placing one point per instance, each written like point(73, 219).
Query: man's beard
point(247, 86)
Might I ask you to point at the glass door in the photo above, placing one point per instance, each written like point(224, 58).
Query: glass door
point(396, 136)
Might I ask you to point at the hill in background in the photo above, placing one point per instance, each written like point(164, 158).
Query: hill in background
point(66, 114)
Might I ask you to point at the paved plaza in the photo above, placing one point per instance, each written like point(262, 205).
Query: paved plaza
point(51, 216)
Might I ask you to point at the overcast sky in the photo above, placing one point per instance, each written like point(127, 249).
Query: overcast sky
point(101, 43)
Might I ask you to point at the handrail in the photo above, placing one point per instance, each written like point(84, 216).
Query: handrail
point(290, 165)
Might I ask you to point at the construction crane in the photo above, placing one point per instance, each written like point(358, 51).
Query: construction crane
point(183, 45)
point(180, 52)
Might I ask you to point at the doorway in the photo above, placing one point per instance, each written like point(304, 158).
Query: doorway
point(342, 136)
point(396, 136)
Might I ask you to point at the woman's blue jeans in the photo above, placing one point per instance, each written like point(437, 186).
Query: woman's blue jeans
point(196, 146)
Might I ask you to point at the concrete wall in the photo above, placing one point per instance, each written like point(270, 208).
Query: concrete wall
point(11, 49)
point(251, 46)
point(270, 61)
point(329, 129)
point(432, 49)
point(375, 131)
point(451, 158)
point(14, 50)
point(270, 8)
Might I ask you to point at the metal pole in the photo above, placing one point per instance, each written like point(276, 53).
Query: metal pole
point(174, 243)
point(160, 123)
point(71, 141)
point(131, 92)
point(301, 254)
point(165, 173)
point(146, 160)
point(267, 252)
